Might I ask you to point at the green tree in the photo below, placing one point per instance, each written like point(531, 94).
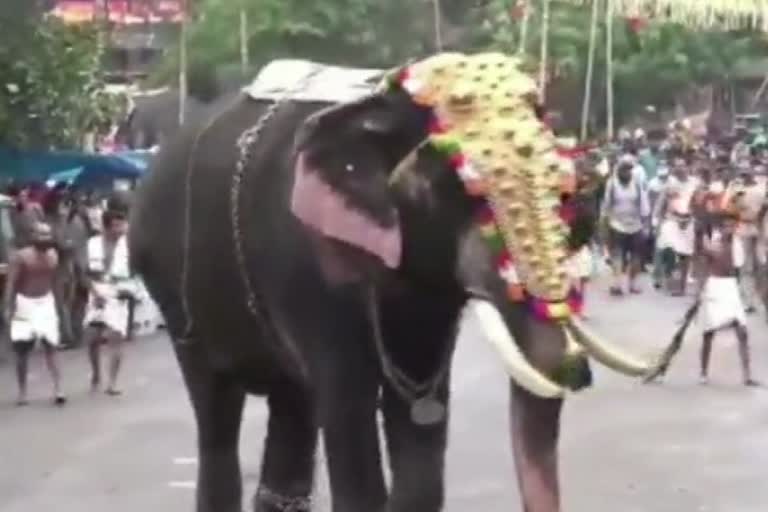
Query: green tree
point(654, 64)
point(51, 90)
point(349, 32)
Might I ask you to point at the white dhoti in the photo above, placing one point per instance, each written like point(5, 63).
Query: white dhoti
point(35, 318)
point(113, 314)
point(679, 238)
point(721, 303)
point(580, 264)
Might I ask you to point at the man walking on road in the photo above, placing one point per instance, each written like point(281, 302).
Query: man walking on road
point(626, 212)
point(30, 307)
point(720, 299)
point(106, 318)
point(676, 224)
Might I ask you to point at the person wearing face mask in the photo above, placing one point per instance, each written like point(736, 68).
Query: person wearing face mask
point(111, 287)
point(676, 224)
point(625, 210)
point(747, 194)
point(30, 307)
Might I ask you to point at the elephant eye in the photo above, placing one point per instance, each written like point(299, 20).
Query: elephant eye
point(349, 167)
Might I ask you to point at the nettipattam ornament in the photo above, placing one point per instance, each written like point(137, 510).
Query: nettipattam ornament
point(485, 124)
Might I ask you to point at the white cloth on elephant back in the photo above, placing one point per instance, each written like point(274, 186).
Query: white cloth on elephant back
point(116, 280)
point(311, 81)
point(35, 318)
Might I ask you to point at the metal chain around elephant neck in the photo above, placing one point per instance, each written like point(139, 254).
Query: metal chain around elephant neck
point(426, 409)
point(283, 503)
point(244, 145)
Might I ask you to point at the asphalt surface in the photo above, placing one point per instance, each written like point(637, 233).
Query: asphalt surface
point(676, 447)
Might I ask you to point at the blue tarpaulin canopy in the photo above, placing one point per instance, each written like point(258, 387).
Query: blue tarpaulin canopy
point(94, 168)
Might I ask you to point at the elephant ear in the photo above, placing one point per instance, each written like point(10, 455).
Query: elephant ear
point(344, 157)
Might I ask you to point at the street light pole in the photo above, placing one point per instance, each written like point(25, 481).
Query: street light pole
point(244, 54)
point(544, 58)
point(183, 63)
point(609, 68)
point(437, 14)
point(586, 105)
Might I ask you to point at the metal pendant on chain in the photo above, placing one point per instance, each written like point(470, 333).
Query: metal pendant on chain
point(428, 410)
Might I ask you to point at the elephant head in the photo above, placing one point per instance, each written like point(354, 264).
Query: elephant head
point(448, 177)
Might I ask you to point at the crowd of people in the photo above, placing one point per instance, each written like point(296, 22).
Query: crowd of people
point(691, 213)
point(68, 281)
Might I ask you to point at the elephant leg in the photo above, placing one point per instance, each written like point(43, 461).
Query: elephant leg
point(535, 428)
point(416, 455)
point(350, 433)
point(218, 404)
point(289, 456)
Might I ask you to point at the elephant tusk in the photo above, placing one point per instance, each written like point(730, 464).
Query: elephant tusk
point(518, 367)
point(572, 349)
point(611, 356)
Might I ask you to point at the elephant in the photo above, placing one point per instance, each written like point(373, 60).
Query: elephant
point(321, 254)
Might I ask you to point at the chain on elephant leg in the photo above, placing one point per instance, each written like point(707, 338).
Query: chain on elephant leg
point(268, 500)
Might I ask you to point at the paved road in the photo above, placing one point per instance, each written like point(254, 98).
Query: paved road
point(629, 448)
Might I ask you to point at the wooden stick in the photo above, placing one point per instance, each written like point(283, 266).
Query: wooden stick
point(674, 347)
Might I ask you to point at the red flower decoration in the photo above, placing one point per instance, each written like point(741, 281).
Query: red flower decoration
point(457, 161)
point(636, 23)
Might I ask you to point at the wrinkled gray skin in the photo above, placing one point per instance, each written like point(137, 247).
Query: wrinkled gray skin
point(322, 369)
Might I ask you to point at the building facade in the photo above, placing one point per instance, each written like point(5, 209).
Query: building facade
point(138, 31)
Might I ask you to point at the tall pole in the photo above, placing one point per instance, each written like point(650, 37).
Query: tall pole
point(437, 15)
point(587, 103)
point(609, 67)
point(183, 62)
point(524, 26)
point(244, 54)
point(544, 58)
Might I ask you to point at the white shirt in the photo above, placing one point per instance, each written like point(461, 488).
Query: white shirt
point(626, 206)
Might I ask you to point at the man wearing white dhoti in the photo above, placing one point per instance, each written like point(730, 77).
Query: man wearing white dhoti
point(111, 287)
point(748, 195)
point(721, 304)
point(676, 238)
point(30, 307)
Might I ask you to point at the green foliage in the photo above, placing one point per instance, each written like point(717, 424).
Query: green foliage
point(353, 32)
point(652, 65)
point(51, 90)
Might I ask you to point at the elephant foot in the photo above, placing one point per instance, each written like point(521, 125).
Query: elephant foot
point(267, 500)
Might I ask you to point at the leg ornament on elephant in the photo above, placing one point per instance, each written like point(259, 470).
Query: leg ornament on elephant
point(439, 189)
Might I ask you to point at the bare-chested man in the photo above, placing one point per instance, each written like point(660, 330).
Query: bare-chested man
point(30, 307)
point(721, 302)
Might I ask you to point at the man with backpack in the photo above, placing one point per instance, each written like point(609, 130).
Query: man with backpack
point(625, 214)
